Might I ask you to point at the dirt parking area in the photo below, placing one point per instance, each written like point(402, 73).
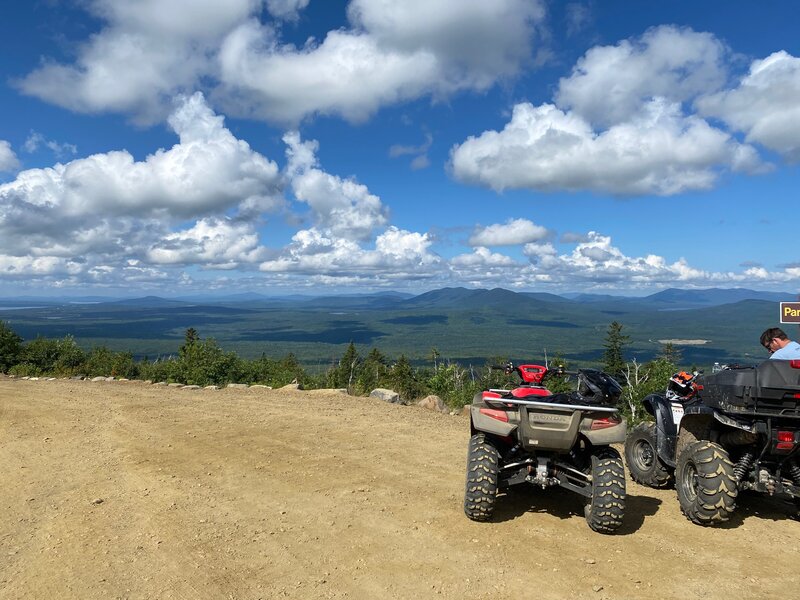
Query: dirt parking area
point(128, 490)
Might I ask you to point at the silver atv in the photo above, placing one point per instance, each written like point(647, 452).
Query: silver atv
point(528, 435)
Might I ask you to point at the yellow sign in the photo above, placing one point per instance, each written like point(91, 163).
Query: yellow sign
point(790, 312)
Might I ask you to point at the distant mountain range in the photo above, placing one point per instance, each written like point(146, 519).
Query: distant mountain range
point(465, 325)
point(672, 298)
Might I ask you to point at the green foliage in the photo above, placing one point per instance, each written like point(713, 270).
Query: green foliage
point(643, 380)
point(454, 384)
point(203, 362)
point(404, 379)
point(275, 373)
point(161, 369)
point(373, 372)
point(670, 353)
point(10, 347)
point(100, 361)
point(613, 355)
point(290, 367)
point(345, 374)
point(44, 356)
point(559, 383)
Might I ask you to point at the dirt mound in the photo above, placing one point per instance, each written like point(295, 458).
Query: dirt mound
point(125, 490)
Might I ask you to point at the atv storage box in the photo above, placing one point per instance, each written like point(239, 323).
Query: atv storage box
point(771, 388)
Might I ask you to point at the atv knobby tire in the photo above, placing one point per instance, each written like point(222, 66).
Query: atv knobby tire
point(641, 454)
point(606, 507)
point(483, 465)
point(705, 482)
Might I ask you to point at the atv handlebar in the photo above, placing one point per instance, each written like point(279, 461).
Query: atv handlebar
point(591, 382)
point(541, 373)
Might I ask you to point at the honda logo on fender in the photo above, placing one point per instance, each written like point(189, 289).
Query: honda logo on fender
point(790, 312)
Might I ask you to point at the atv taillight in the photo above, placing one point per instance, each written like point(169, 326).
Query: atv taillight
point(606, 422)
point(795, 364)
point(500, 415)
point(785, 440)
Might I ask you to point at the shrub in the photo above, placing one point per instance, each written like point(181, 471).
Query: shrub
point(102, 361)
point(44, 356)
point(205, 363)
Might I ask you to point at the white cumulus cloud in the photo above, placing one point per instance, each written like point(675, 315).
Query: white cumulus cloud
point(8, 159)
point(215, 242)
point(344, 207)
point(609, 84)
point(544, 148)
point(475, 42)
point(149, 50)
point(109, 208)
point(398, 256)
point(208, 170)
point(623, 123)
point(765, 105)
point(286, 9)
point(513, 232)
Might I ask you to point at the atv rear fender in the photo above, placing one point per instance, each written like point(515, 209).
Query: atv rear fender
point(605, 436)
point(487, 424)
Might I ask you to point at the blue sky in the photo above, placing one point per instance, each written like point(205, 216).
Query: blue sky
point(277, 146)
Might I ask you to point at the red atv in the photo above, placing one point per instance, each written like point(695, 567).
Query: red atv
point(529, 435)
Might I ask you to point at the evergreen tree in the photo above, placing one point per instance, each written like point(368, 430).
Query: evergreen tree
point(10, 347)
point(291, 370)
point(670, 353)
point(404, 379)
point(347, 370)
point(613, 355)
point(372, 371)
point(192, 338)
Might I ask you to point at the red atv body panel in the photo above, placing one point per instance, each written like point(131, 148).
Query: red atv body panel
point(531, 373)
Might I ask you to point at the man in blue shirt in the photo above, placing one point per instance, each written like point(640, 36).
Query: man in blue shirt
point(779, 345)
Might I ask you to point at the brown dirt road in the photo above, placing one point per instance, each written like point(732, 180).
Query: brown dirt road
point(126, 490)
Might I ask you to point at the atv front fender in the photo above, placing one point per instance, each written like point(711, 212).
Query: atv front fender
point(666, 430)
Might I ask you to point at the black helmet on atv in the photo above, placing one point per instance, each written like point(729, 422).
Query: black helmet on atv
point(600, 386)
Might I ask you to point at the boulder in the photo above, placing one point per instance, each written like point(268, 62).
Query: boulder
point(385, 395)
point(291, 386)
point(433, 402)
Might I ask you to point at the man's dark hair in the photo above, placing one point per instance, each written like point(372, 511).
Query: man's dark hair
point(773, 332)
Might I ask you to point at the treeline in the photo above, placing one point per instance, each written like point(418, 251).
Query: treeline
point(203, 362)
